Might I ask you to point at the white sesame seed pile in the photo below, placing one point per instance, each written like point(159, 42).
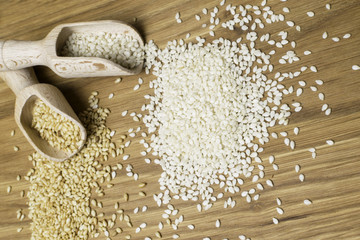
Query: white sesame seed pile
point(213, 103)
point(210, 107)
point(119, 48)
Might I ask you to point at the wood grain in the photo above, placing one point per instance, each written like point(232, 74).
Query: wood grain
point(332, 178)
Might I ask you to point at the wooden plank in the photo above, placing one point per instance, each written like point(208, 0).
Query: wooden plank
point(332, 178)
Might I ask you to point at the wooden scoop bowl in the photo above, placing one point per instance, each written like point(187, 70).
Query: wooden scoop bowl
point(16, 55)
point(27, 90)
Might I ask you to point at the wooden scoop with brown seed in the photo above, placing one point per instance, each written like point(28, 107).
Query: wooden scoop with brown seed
point(28, 90)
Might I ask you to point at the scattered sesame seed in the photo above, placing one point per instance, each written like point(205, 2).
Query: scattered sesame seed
point(299, 91)
point(310, 14)
point(355, 67)
point(313, 88)
point(328, 111)
point(313, 68)
point(137, 86)
point(296, 130)
point(280, 210)
point(302, 177)
point(271, 159)
point(307, 202)
point(290, 23)
point(275, 220)
point(347, 35)
point(330, 142)
point(286, 10)
point(270, 183)
point(302, 83)
point(217, 223)
point(325, 35)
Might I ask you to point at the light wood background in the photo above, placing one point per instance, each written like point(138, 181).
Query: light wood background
point(332, 179)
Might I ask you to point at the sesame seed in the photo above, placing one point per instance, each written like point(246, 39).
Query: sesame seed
point(137, 86)
point(355, 67)
point(302, 177)
point(290, 23)
point(325, 35)
point(191, 226)
point(269, 183)
point(286, 10)
point(280, 210)
point(275, 220)
point(328, 111)
point(310, 14)
point(217, 223)
point(330, 142)
point(278, 201)
point(328, 6)
point(271, 159)
point(275, 167)
point(313, 88)
point(299, 91)
point(307, 202)
point(347, 35)
point(335, 39)
point(313, 68)
point(296, 130)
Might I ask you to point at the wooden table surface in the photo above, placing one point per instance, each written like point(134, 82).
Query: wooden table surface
point(332, 179)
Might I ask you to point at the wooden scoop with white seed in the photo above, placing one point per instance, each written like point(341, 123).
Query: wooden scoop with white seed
point(27, 90)
point(16, 55)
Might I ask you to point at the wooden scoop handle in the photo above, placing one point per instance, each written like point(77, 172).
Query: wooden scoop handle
point(19, 79)
point(16, 54)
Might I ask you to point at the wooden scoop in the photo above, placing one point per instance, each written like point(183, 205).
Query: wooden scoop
point(27, 90)
point(21, 54)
